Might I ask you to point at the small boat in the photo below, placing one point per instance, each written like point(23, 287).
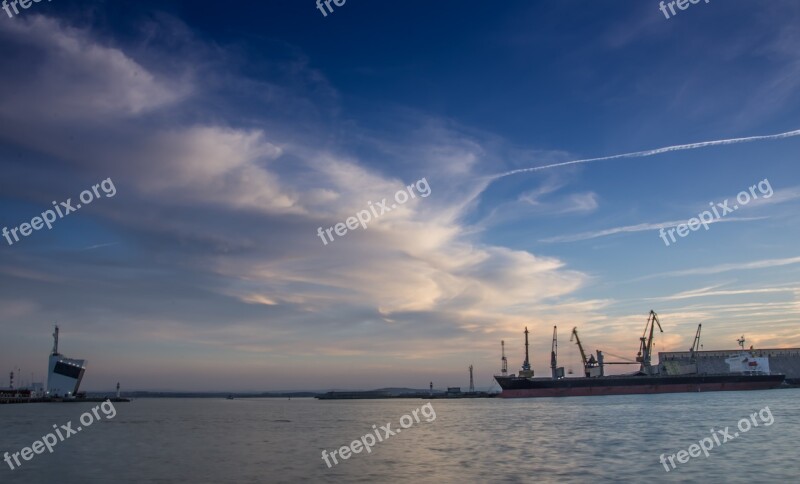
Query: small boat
point(229, 397)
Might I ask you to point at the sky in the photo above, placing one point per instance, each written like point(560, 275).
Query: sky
point(221, 140)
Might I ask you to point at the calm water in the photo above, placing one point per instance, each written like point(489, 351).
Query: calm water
point(604, 439)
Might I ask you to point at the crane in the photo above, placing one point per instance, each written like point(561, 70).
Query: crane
point(557, 372)
point(580, 346)
point(554, 353)
point(646, 342)
point(526, 371)
point(696, 344)
point(589, 363)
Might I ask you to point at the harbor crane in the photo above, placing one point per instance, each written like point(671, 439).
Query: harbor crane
point(580, 346)
point(589, 363)
point(695, 345)
point(554, 369)
point(644, 356)
point(526, 371)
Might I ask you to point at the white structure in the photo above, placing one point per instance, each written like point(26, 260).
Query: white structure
point(64, 374)
point(747, 363)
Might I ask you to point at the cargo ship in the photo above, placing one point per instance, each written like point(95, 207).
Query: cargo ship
point(746, 373)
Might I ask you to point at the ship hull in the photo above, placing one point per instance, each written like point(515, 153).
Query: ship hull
point(515, 387)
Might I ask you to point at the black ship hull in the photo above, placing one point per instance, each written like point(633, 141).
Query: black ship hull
point(517, 387)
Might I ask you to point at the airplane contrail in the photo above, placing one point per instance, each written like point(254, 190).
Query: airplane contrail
point(658, 151)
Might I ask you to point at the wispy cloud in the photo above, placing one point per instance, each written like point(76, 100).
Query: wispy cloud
point(226, 215)
point(718, 269)
point(711, 292)
point(229, 156)
point(657, 151)
point(98, 246)
point(636, 228)
point(573, 203)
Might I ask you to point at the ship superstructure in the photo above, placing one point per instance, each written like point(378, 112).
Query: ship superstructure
point(64, 374)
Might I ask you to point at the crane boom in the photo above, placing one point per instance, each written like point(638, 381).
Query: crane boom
point(580, 346)
point(591, 367)
point(646, 342)
point(696, 344)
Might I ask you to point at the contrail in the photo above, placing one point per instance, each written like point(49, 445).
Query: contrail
point(658, 151)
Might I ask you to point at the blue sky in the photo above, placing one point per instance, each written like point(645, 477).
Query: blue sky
point(231, 133)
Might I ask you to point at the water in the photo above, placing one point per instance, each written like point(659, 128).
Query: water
point(585, 439)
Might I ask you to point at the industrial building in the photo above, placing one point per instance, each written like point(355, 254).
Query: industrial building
point(780, 360)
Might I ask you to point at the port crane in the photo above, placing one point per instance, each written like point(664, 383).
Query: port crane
point(645, 353)
point(591, 362)
point(695, 345)
point(526, 371)
point(554, 369)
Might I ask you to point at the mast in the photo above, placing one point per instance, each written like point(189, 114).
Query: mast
point(55, 341)
point(503, 360)
point(471, 381)
point(554, 353)
point(526, 366)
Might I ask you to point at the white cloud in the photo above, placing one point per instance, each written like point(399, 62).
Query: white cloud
point(68, 75)
point(643, 227)
point(718, 269)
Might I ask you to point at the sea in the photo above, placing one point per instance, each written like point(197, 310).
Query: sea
point(253, 440)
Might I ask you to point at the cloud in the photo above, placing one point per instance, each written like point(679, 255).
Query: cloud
point(710, 292)
point(643, 227)
point(213, 165)
point(721, 268)
point(657, 151)
point(783, 195)
point(572, 203)
point(215, 270)
point(214, 223)
point(67, 75)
